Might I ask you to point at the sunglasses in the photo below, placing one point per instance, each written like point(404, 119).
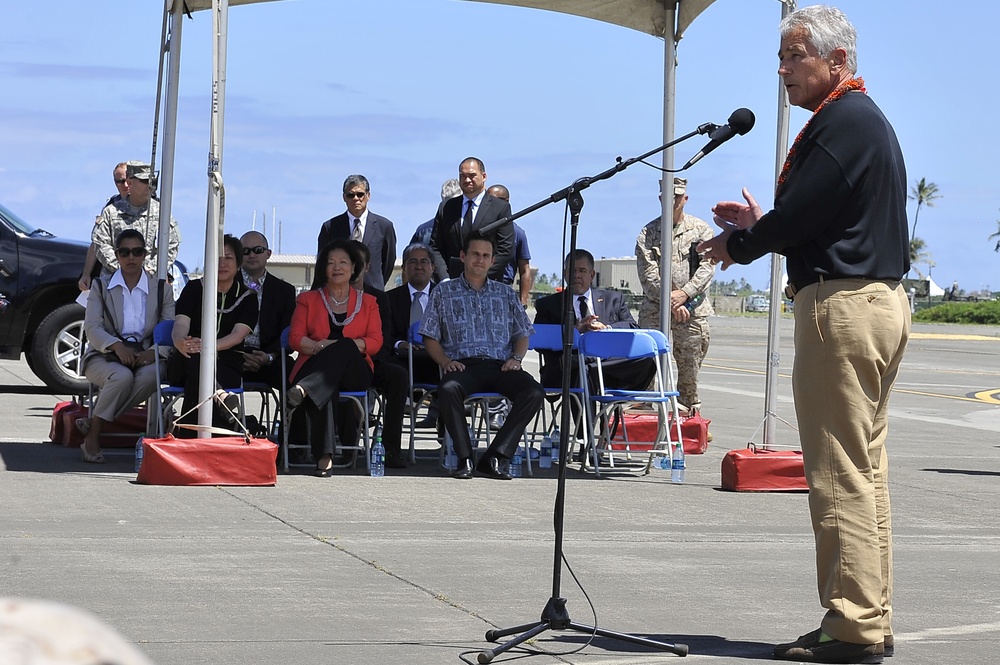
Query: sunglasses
point(355, 195)
point(247, 251)
point(119, 181)
point(134, 251)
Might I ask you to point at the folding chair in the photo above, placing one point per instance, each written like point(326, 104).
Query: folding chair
point(609, 403)
point(548, 337)
point(419, 393)
point(167, 395)
point(360, 399)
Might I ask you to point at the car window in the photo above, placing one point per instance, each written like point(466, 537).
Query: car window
point(19, 224)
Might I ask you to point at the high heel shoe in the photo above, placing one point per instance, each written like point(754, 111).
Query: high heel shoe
point(90, 458)
point(326, 472)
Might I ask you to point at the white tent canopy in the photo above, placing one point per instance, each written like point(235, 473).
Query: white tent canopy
point(658, 18)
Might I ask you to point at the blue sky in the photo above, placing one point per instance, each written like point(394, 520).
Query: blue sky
point(402, 90)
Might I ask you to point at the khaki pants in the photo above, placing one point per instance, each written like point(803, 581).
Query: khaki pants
point(850, 335)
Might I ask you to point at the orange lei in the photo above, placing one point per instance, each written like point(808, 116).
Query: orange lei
point(848, 86)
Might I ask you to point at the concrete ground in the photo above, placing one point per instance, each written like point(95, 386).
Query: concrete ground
point(416, 567)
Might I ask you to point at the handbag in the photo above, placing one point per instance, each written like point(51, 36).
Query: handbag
point(134, 345)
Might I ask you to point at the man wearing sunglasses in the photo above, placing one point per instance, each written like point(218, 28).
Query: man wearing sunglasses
point(358, 223)
point(275, 304)
point(136, 210)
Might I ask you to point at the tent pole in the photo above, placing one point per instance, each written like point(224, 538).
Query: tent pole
point(216, 212)
point(166, 183)
point(667, 199)
point(774, 315)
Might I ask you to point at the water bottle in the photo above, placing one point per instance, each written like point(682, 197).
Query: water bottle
point(378, 458)
point(138, 452)
point(515, 465)
point(556, 442)
point(677, 462)
point(545, 457)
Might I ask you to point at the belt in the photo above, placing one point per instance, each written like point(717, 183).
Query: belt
point(794, 287)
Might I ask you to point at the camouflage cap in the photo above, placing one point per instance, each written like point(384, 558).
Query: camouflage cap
point(139, 170)
point(680, 186)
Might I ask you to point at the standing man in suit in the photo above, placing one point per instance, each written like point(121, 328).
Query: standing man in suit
point(358, 223)
point(275, 304)
point(593, 309)
point(469, 213)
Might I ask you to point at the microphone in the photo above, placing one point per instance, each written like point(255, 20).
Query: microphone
point(740, 122)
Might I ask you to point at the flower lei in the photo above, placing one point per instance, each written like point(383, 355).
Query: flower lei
point(849, 85)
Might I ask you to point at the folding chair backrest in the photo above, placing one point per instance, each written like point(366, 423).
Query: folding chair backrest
point(618, 343)
point(162, 333)
point(413, 334)
point(548, 337)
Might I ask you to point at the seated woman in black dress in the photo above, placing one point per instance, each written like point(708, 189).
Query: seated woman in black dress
point(236, 315)
point(336, 329)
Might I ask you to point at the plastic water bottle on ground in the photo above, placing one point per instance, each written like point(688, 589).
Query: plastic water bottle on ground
point(545, 457)
point(515, 464)
point(378, 458)
point(677, 462)
point(138, 451)
point(556, 442)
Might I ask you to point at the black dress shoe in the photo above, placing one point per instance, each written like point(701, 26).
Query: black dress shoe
point(394, 462)
point(809, 649)
point(464, 470)
point(491, 467)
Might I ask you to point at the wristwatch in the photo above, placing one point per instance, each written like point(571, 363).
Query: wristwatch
point(270, 358)
point(516, 357)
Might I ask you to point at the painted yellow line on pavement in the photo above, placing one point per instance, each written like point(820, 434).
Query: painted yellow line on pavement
point(957, 336)
point(991, 396)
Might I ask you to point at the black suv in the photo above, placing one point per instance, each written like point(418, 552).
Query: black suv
point(39, 315)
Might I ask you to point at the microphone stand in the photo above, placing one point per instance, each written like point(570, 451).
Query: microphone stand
point(554, 615)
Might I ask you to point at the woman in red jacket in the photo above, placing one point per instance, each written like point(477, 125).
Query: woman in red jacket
point(336, 330)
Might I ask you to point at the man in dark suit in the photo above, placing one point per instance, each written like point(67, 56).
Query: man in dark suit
point(469, 213)
point(593, 309)
point(276, 302)
point(406, 304)
point(359, 223)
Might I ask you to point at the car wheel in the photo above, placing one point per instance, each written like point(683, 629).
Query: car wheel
point(56, 348)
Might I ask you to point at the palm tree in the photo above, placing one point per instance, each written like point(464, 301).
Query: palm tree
point(919, 254)
point(996, 235)
point(924, 193)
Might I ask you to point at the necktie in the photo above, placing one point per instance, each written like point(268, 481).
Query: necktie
point(356, 235)
point(584, 310)
point(416, 309)
point(467, 220)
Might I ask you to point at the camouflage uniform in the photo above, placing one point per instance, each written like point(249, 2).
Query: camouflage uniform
point(119, 215)
point(690, 340)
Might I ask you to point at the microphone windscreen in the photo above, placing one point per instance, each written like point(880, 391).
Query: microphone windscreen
point(742, 120)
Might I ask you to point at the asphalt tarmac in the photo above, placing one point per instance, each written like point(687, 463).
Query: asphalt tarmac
point(416, 567)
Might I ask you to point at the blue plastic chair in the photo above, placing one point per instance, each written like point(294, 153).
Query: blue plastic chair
point(609, 404)
point(548, 337)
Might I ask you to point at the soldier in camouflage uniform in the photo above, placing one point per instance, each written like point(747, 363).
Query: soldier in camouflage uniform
point(137, 210)
point(690, 278)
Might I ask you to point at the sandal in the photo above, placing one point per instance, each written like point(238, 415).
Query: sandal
point(90, 458)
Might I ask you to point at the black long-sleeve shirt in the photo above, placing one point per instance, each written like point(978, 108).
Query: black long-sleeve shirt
point(842, 209)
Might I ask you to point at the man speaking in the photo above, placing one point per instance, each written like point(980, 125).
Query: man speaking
point(840, 218)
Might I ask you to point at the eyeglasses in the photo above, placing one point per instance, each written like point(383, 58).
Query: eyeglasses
point(119, 181)
point(418, 262)
point(247, 251)
point(134, 251)
point(355, 195)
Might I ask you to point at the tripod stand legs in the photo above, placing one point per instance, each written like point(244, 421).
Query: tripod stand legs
point(555, 617)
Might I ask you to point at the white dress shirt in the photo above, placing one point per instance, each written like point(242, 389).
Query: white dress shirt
point(133, 305)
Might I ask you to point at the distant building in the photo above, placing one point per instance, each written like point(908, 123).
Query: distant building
point(620, 274)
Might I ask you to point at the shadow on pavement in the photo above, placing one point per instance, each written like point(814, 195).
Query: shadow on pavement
point(966, 472)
